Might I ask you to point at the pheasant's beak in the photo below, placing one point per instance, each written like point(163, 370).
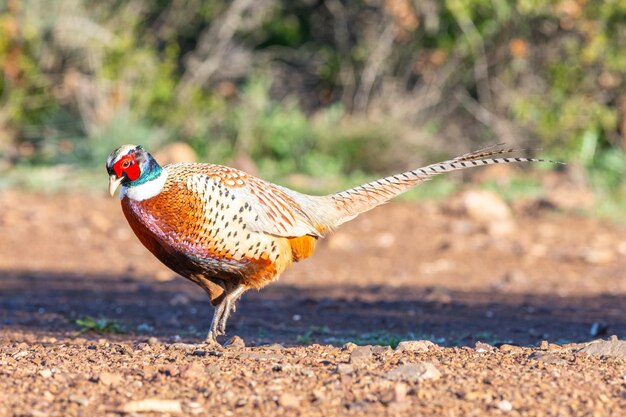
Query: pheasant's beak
point(114, 182)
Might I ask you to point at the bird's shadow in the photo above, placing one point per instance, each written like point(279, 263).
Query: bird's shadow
point(127, 307)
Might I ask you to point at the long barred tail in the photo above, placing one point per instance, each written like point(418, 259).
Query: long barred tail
point(352, 202)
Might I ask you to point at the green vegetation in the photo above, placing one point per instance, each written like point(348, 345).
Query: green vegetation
point(101, 325)
point(380, 338)
point(312, 334)
point(336, 92)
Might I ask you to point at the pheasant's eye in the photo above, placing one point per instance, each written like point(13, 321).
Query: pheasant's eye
point(125, 164)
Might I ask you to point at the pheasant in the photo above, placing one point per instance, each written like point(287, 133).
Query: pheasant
point(228, 231)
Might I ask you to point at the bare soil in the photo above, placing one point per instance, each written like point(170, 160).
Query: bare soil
point(406, 271)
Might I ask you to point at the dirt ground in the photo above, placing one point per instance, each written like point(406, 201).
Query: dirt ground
point(487, 295)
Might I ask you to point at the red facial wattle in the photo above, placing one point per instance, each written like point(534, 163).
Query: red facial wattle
point(129, 166)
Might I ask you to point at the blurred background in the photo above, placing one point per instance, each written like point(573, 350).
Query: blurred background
point(313, 94)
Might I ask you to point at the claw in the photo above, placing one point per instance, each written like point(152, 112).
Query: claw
point(222, 312)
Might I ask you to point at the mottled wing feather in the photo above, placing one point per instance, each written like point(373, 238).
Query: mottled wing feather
point(262, 206)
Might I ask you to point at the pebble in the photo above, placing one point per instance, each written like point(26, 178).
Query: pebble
point(289, 400)
point(599, 256)
point(108, 378)
point(414, 372)
point(274, 346)
point(505, 406)
point(153, 405)
point(400, 390)
point(78, 399)
point(235, 342)
point(194, 408)
point(485, 206)
point(349, 347)
point(612, 347)
point(510, 348)
point(344, 369)
point(361, 354)
point(547, 358)
point(45, 373)
point(488, 209)
point(481, 347)
point(414, 346)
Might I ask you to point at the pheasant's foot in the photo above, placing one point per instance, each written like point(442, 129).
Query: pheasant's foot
point(211, 341)
point(229, 306)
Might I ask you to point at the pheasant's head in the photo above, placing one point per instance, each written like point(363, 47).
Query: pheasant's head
point(131, 165)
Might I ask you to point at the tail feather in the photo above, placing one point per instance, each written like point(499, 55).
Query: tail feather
point(350, 203)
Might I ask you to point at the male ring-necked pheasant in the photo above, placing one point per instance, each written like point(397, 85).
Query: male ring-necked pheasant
point(228, 231)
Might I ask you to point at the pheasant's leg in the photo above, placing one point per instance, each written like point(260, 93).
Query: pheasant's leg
point(230, 300)
point(217, 315)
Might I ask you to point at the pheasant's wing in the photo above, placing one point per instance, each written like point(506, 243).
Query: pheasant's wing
point(255, 205)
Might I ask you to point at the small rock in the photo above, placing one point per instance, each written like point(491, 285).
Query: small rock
point(153, 405)
point(153, 341)
point(612, 347)
point(235, 342)
point(481, 347)
point(289, 400)
point(544, 345)
point(414, 372)
point(400, 390)
point(510, 348)
point(192, 371)
point(344, 369)
point(183, 346)
point(194, 408)
point(78, 399)
point(20, 354)
point(361, 354)
point(45, 373)
point(547, 358)
point(274, 346)
point(485, 207)
point(599, 256)
point(108, 378)
point(414, 346)
point(505, 406)
point(380, 349)
point(349, 347)
point(138, 346)
point(472, 395)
